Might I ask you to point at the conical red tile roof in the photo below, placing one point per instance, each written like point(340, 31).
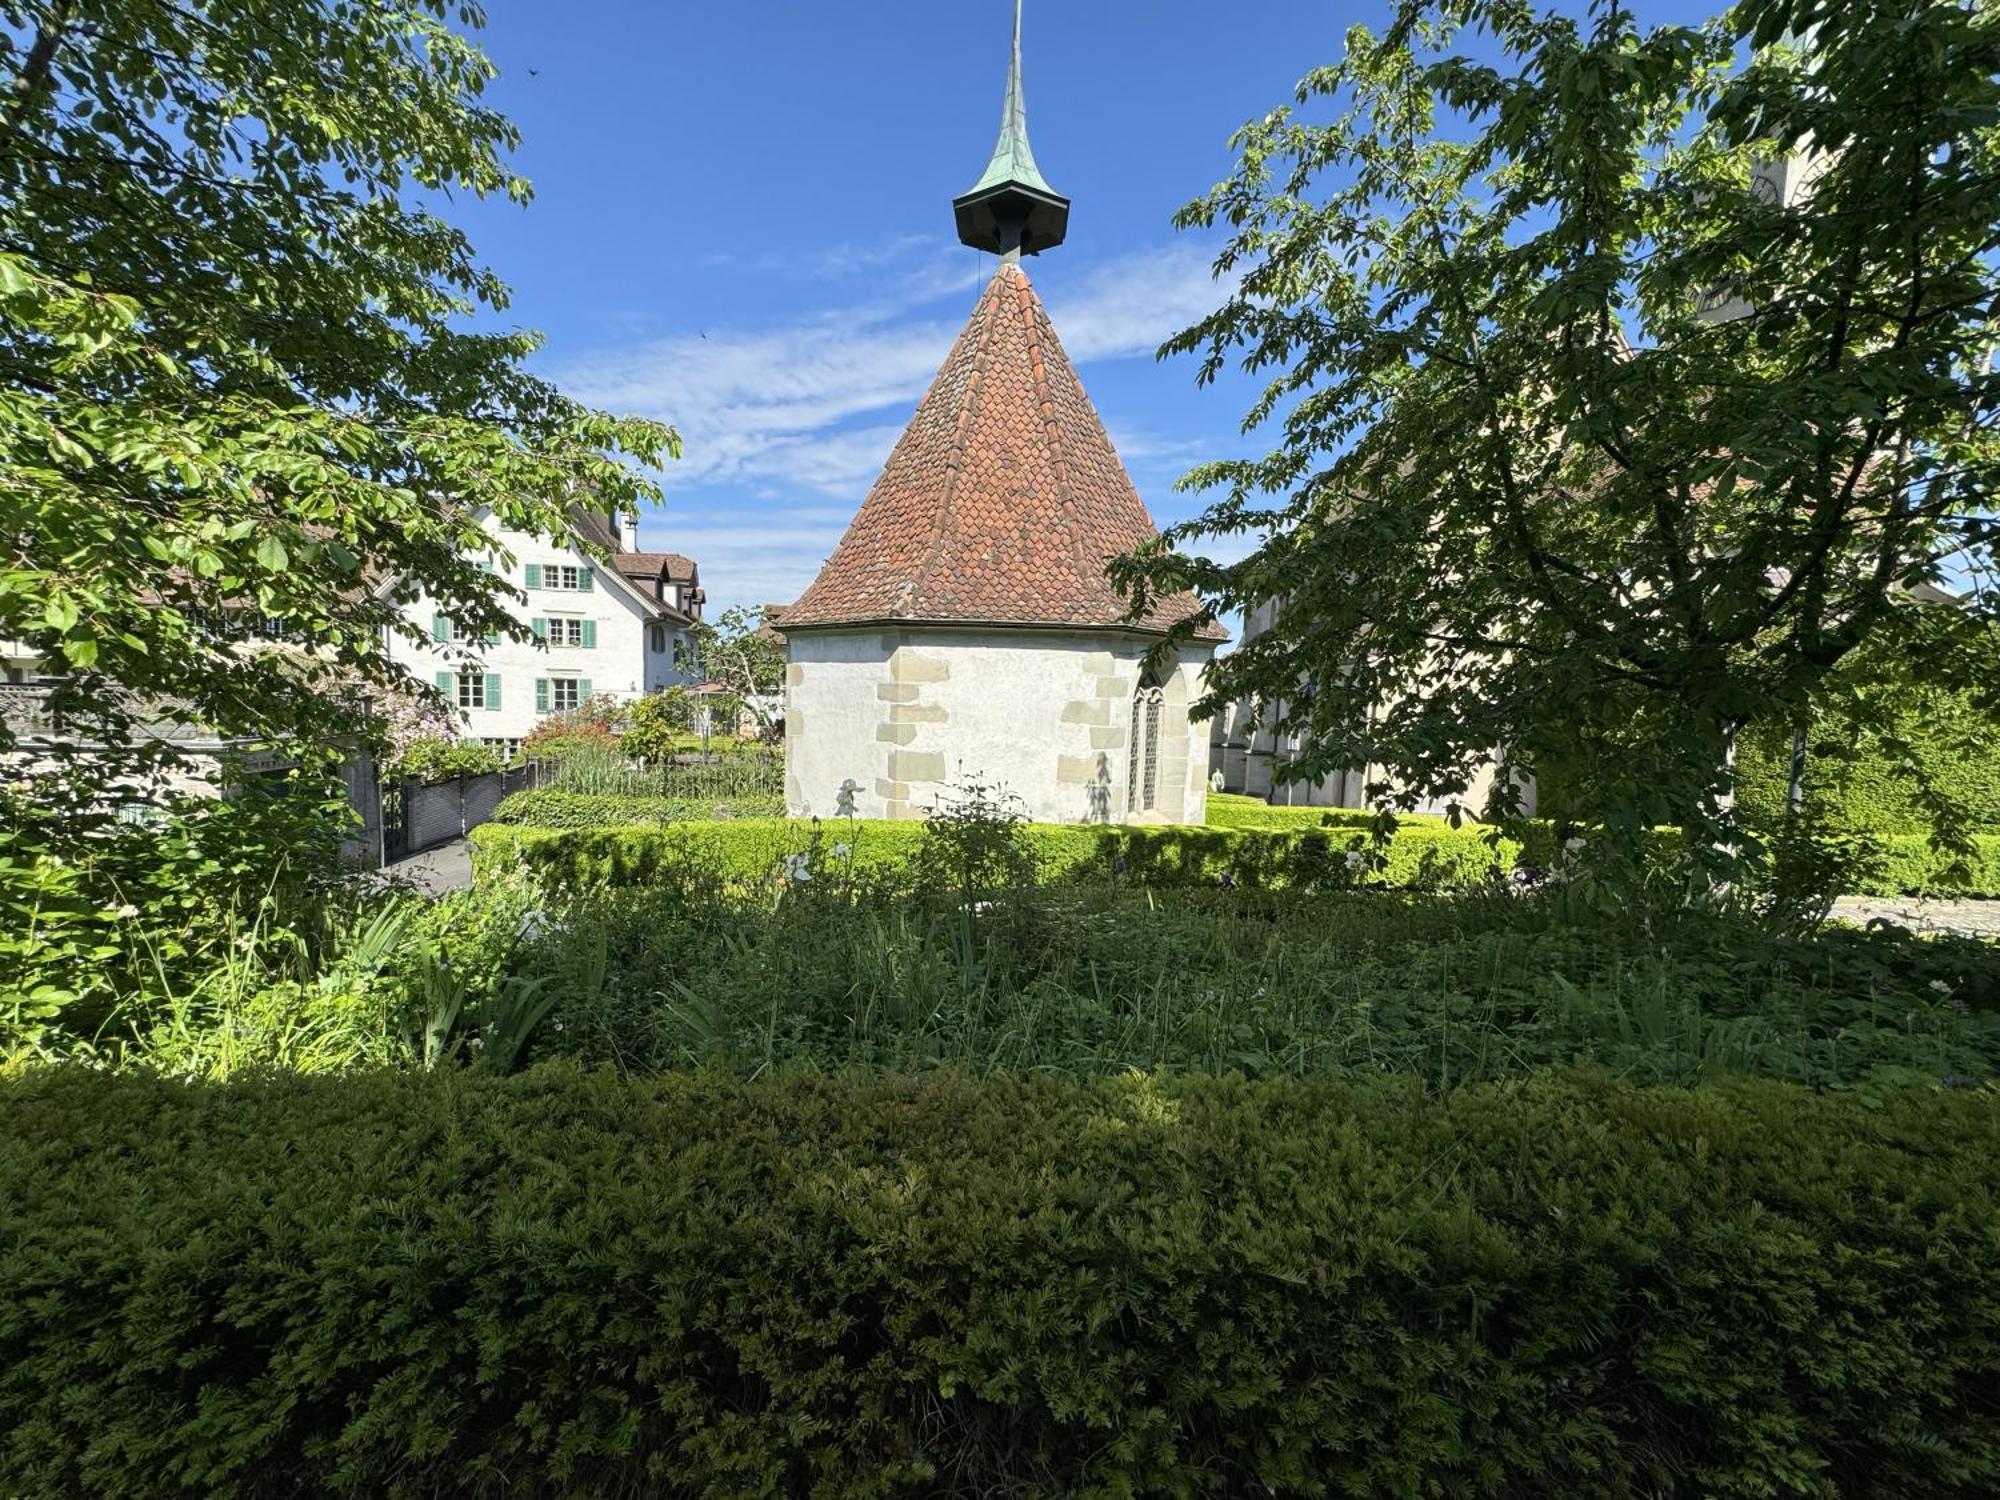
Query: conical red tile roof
point(1003, 499)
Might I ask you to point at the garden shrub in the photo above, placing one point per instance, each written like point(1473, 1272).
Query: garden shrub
point(571, 1283)
point(435, 758)
point(553, 807)
point(1233, 810)
point(108, 919)
point(1909, 865)
point(1852, 784)
point(1878, 863)
point(1420, 856)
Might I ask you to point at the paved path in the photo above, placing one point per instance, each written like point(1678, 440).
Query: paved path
point(1967, 918)
point(445, 868)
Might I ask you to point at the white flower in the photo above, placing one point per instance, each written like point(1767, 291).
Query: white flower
point(1356, 859)
point(127, 910)
point(798, 866)
point(534, 924)
point(841, 851)
point(1940, 986)
point(1573, 843)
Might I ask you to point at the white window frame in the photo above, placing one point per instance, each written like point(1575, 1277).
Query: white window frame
point(563, 578)
point(557, 688)
point(471, 689)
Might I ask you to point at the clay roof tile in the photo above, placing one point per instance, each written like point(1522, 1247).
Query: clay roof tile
point(1002, 501)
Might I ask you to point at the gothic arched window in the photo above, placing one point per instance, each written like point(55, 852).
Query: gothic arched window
point(1142, 773)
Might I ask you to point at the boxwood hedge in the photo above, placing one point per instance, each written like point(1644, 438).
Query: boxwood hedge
point(1425, 856)
point(557, 807)
point(571, 1283)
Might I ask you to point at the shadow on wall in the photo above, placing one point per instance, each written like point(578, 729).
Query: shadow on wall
point(1097, 794)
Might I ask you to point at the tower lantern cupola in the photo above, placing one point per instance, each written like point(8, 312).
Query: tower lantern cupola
point(1012, 211)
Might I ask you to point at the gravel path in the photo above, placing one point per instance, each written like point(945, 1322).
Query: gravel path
point(1966, 918)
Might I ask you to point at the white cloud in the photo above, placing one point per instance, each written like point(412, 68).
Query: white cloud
point(1134, 303)
point(754, 405)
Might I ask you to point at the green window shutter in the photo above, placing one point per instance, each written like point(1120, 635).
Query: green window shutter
point(582, 689)
point(493, 690)
point(589, 635)
point(534, 575)
point(444, 683)
point(540, 628)
point(541, 695)
point(440, 628)
point(484, 566)
point(492, 637)
point(583, 583)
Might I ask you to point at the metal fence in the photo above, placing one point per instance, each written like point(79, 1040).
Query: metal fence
point(416, 816)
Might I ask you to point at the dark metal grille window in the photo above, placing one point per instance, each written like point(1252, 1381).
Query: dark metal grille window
point(1142, 776)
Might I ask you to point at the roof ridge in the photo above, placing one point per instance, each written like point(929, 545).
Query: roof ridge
point(1039, 324)
point(968, 409)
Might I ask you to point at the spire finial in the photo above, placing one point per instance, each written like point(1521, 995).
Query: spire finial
point(1012, 210)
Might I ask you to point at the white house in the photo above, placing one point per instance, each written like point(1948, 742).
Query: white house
point(964, 630)
point(619, 625)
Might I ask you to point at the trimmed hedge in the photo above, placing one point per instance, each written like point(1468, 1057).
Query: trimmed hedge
point(554, 807)
point(1232, 810)
point(1903, 863)
point(1421, 856)
point(1908, 865)
point(1852, 785)
point(571, 1283)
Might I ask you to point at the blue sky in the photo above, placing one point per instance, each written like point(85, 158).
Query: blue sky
point(742, 225)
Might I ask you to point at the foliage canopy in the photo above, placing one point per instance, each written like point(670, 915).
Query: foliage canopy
point(1599, 430)
point(247, 373)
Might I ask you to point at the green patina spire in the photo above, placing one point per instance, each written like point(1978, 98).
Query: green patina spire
point(1013, 158)
point(1012, 210)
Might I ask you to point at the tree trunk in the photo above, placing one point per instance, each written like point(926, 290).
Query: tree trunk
point(1795, 784)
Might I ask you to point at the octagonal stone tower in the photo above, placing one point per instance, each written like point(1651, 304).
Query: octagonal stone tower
point(964, 630)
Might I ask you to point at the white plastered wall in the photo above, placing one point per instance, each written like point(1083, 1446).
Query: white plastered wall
point(1046, 716)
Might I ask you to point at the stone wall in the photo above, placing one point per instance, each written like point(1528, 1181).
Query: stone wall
point(1045, 716)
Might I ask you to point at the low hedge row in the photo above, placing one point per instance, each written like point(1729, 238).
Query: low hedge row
point(1233, 810)
point(1420, 856)
point(1853, 784)
point(1909, 865)
point(555, 807)
point(1899, 864)
point(573, 1283)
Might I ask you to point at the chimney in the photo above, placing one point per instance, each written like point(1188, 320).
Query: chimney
point(628, 532)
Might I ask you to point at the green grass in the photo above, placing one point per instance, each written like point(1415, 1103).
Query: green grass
point(1355, 985)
